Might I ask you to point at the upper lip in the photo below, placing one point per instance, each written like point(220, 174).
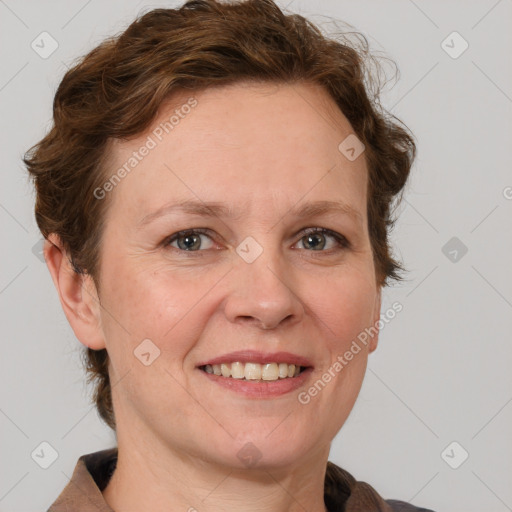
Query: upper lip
point(255, 356)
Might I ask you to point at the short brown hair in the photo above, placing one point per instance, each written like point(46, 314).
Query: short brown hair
point(115, 91)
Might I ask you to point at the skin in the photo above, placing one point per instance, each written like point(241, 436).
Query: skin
point(264, 149)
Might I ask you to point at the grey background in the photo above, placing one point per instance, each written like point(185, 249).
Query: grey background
point(442, 369)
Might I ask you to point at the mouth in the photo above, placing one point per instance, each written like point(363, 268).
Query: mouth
point(252, 371)
point(258, 375)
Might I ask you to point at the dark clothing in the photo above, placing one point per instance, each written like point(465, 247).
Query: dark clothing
point(342, 493)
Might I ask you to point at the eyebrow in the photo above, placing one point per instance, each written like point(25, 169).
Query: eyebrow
point(221, 210)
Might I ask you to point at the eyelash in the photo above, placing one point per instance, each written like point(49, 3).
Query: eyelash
point(342, 241)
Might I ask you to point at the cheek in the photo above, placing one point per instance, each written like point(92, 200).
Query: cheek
point(346, 307)
point(155, 302)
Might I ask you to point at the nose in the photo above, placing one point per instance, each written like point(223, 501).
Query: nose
point(263, 294)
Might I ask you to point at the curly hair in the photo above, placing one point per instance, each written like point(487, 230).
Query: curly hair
point(115, 91)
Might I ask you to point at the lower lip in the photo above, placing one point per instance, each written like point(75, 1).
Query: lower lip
point(261, 389)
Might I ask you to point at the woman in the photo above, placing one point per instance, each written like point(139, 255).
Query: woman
point(215, 195)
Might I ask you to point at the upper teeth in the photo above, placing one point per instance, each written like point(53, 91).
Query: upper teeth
point(254, 371)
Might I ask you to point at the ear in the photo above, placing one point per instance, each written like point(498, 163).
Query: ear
point(77, 293)
point(376, 317)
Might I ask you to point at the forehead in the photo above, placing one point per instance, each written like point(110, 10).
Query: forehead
point(243, 143)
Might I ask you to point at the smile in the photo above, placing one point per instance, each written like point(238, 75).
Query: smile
point(254, 371)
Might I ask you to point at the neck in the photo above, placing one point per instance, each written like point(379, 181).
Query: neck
point(148, 477)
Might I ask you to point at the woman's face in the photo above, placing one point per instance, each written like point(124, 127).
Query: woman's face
point(255, 279)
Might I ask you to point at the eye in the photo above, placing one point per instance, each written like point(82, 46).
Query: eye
point(315, 239)
point(189, 240)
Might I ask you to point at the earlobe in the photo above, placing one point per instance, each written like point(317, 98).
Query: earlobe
point(77, 293)
point(376, 317)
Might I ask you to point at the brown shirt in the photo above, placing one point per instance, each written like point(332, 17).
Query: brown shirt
point(342, 493)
